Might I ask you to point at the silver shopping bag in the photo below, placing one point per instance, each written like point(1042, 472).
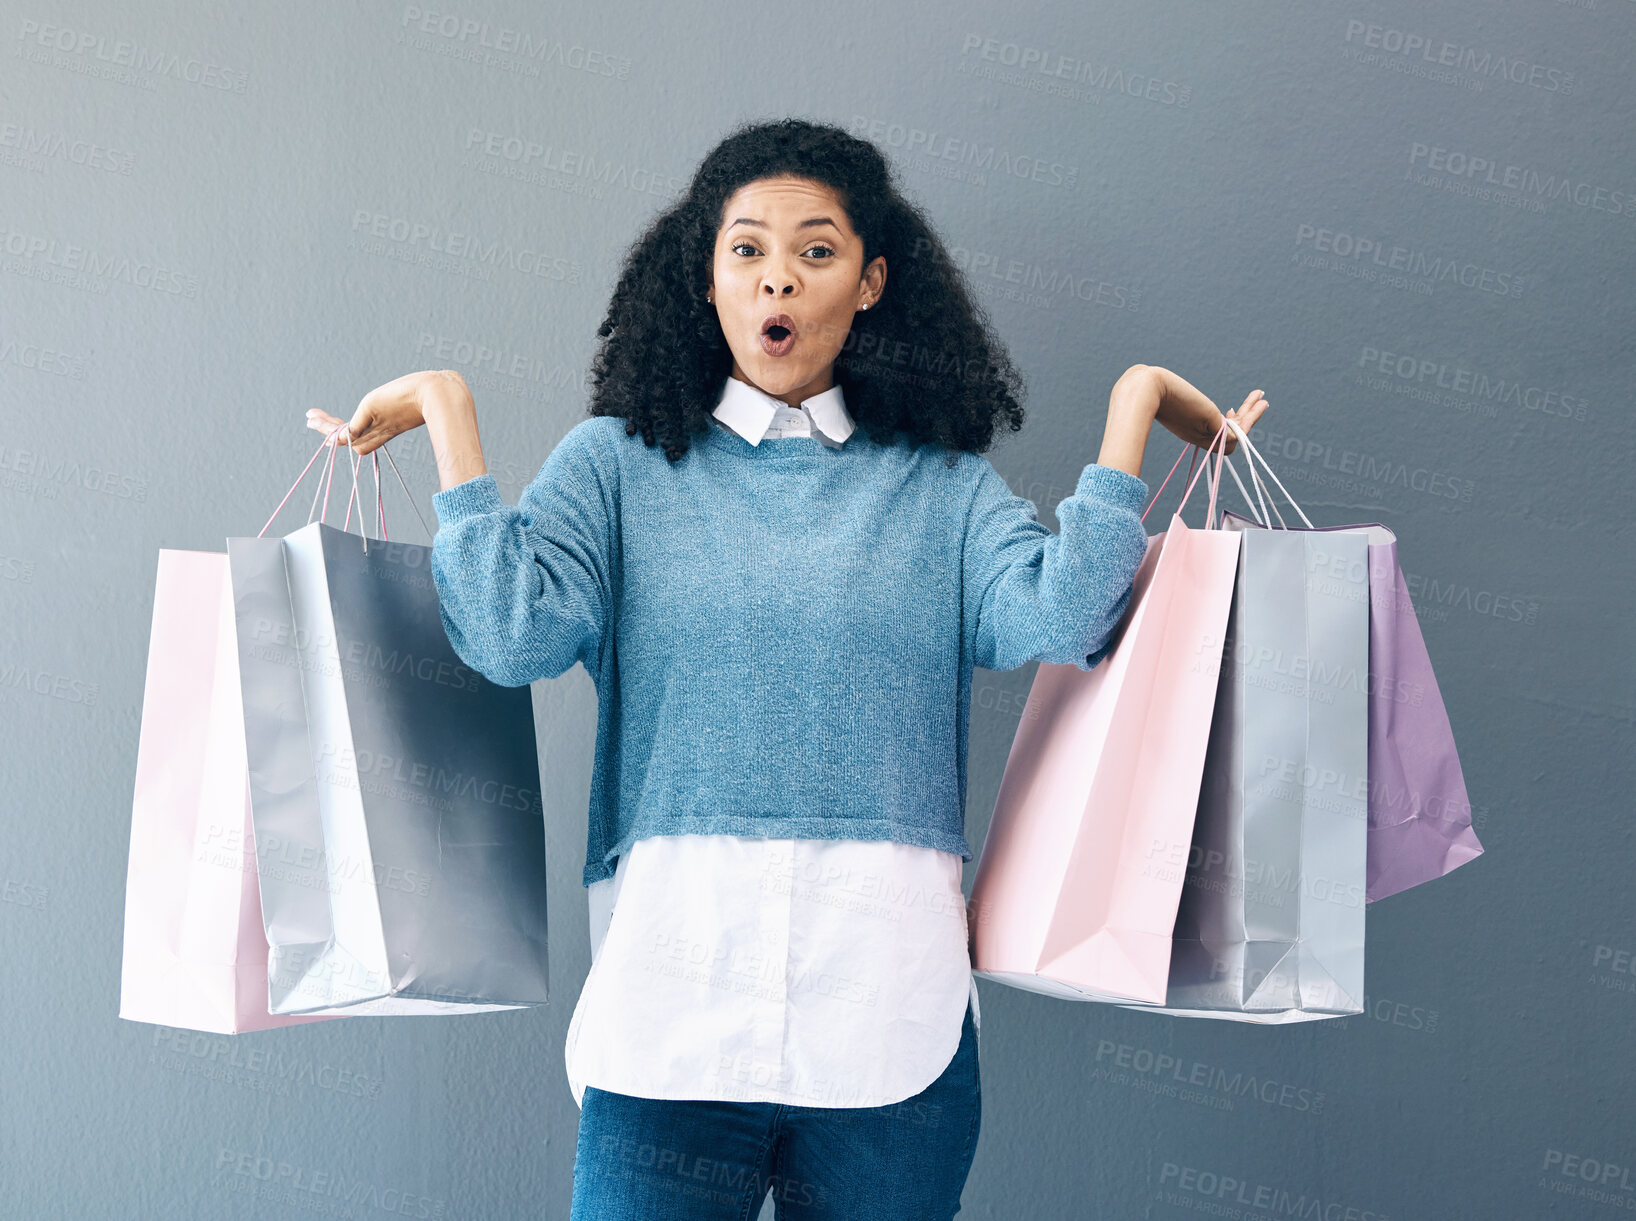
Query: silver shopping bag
point(1270, 926)
point(1419, 811)
point(394, 791)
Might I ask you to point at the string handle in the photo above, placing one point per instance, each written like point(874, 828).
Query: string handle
point(1215, 476)
point(327, 477)
point(1254, 457)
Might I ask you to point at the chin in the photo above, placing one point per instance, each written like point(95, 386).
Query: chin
point(780, 379)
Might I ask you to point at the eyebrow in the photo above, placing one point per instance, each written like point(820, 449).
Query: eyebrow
point(810, 223)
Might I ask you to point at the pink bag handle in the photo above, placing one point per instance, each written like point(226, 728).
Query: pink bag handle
point(1215, 476)
point(327, 479)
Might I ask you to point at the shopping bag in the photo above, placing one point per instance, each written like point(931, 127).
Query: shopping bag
point(1080, 871)
point(394, 790)
point(1419, 813)
point(195, 955)
point(1270, 925)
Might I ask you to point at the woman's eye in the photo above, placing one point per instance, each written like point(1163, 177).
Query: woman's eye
point(737, 246)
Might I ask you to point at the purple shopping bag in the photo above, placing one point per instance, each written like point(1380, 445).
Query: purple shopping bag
point(1419, 813)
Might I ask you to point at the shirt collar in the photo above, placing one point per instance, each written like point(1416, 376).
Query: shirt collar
point(749, 412)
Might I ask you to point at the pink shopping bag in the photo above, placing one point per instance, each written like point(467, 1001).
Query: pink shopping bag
point(195, 953)
point(1081, 871)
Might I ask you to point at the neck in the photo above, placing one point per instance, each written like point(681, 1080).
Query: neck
point(797, 396)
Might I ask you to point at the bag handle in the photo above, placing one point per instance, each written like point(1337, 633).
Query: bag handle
point(327, 477)
point(1261, 496)
point(1255, 482)
point(1255, 454)
point(1215, 476)
point(324, 482)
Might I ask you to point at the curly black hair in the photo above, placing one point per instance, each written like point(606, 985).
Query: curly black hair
point(924, 363)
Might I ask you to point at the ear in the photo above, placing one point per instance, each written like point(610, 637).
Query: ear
point(875, 275)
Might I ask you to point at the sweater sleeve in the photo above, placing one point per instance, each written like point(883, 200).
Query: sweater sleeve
point(526, 590)
point(1031, 595)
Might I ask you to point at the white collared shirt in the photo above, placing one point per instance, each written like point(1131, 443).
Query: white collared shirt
point(814, 972)
point(756, 415)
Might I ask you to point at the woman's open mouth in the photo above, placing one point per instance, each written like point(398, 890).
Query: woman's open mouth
point(777, 334)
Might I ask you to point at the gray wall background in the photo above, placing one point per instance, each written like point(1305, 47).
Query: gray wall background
point(1412, 227)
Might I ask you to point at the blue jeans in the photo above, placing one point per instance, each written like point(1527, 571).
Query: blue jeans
point(654, 1159)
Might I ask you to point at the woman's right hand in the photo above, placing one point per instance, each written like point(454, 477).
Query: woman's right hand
point(386, 411)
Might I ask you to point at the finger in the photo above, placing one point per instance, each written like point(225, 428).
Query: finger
point(1251, 411)
point(322, 421)
point(362, 427)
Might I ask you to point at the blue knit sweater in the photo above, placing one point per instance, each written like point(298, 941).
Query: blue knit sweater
point(782, 635)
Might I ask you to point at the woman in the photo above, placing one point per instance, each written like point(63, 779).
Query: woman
point(775, 546)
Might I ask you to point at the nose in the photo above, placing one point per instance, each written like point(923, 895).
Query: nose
point(777, 281)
